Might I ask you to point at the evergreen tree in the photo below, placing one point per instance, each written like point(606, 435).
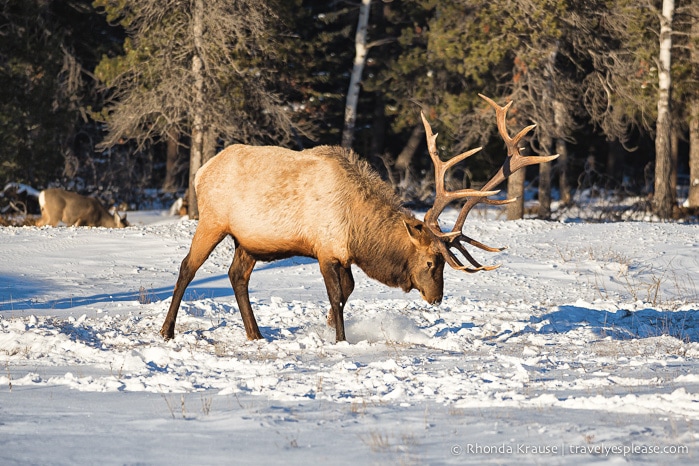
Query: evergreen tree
point(45, 91)
point(505, 49)
point(201, 68)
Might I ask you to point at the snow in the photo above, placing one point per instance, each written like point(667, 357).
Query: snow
point(582, 348)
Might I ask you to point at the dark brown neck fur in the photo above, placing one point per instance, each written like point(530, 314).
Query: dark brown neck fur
point(382, 248)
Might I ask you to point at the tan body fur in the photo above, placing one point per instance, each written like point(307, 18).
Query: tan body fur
point(58, 205)
point(320, 203)
point(289, 208)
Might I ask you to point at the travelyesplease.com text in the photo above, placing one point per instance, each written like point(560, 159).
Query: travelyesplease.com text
point(566, 449)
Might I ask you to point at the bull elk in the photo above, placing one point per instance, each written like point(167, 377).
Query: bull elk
point(58, 205)
point(326, 204)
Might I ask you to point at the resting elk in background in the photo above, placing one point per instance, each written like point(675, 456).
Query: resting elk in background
point(325, 203)
point(58, 205)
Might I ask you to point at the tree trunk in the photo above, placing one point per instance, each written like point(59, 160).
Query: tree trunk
point(356, 77)
point(663, 198)
point(615, 161)
point(405, 158)
point(209, 145)
point(674, 158)
point(378, 122)
point(378, 131)
point(404, 161)
point(562, 166)
point(559, 117)
point(544, 191)
point(693, 199)
point(197, 149)
point(172, 151)
point(515, 189)
point(561, 148)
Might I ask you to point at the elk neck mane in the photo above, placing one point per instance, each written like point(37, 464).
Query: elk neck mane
point(375, 216)
point(363, 182)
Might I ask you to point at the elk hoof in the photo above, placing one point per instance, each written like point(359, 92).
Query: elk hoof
point(167, 334)
point(331, 319)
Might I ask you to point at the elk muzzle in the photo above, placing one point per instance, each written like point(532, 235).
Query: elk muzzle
point(430, 283)
point(435, 300)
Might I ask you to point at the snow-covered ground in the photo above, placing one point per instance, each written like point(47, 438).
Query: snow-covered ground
point(582, 348)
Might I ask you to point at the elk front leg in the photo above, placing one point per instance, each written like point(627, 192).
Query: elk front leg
point(203, 243)
point(333, 274)
point(239, 274)
point(347, 286)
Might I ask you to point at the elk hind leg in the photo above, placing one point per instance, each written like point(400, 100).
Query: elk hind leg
point(204, 241)
point(239, 275)
point(46, 219)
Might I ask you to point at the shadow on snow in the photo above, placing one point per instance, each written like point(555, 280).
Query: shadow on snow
point(21, 294)
point(22, 298)
point(623, 324)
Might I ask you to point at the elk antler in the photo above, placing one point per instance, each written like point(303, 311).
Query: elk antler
point(455, 238)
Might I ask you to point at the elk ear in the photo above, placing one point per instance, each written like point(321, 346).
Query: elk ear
point(416, 232)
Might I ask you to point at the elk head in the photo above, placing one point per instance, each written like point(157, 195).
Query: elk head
point(446, 242)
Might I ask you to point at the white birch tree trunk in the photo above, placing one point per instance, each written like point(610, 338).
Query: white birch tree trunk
point(663, 199)
point(197, 143)
point(693, 199)
point(356, 78)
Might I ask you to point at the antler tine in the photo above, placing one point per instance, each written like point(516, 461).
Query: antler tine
point(455, 263)
point(501, 116)
point(470, 258)
point(442, 196)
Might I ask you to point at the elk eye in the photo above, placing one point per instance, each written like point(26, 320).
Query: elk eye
point(430, 264)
